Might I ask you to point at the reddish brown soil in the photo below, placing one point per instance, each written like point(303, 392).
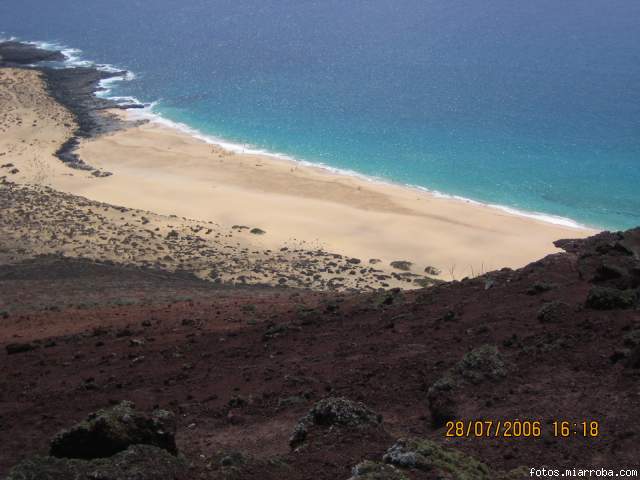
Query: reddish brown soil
point(105, 333)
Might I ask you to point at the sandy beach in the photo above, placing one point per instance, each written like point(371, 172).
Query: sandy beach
point(163, 170)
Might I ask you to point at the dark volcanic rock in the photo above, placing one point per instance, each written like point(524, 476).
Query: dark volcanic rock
point(484, 364)
point(334, 411)
point(138, 462)
point(604, 298)
point(14, 348)
point(401, 265)
point(113, 430)
point(17, 53)
point(540, 287)
point(554, 312)
point(74, 88)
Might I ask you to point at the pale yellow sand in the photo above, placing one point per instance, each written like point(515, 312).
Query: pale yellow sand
point(163, 170)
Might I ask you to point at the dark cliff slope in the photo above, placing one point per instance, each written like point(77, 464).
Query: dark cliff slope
point(558, 339)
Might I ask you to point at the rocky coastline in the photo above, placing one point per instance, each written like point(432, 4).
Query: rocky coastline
point(73, 87)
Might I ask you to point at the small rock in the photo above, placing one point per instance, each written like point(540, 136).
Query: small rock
point(540, 287)
point(554, 312)
point(14, 348)
point(401, 265)
point(432, 271)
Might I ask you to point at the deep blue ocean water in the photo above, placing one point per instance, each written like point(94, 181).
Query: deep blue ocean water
point(533, 105)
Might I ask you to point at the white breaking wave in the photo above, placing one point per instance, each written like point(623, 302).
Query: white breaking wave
point(73, 58)
point(149, 114)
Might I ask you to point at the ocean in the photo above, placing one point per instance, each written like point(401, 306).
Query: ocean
point(532, 106)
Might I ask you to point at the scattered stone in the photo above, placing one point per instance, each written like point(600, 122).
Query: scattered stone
point(233, 459)
point(449, 316)
point(257, 231)
point(432, 271)
point(275, 331)
point(101, 174)
point(401, 265)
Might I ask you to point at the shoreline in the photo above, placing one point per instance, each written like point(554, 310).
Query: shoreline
point(147, 114)
point(141, 111)
point(160, 168)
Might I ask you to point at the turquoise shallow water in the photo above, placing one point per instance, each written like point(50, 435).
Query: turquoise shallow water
point(531, 105)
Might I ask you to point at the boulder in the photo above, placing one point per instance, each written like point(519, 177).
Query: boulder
point(401, 265)
point(432, 271)
point(483, 363)
point(113, 430)
point(334, 411)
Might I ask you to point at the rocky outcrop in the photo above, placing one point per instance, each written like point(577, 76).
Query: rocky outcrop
point(334, 412)
point(74, 88)
point(18, 54)
point(611, 262)
point(139, 462)
point(119, 443)
point(113, 430)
